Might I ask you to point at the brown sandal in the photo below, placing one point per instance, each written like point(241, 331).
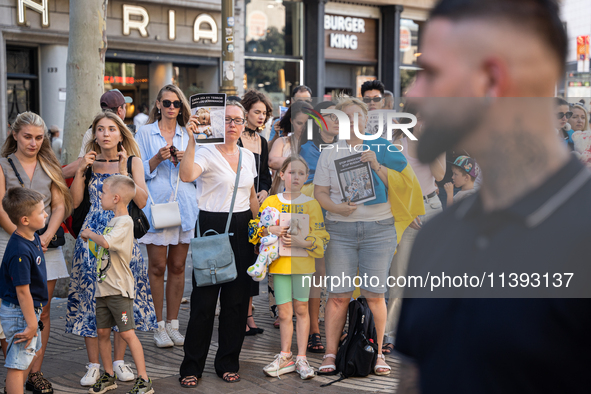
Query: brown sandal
point(38, 385)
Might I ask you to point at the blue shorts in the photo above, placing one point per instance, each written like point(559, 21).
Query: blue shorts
point(364, 247)
point(13, 322)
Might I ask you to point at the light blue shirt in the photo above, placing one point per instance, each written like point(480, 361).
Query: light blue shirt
point(162, 181)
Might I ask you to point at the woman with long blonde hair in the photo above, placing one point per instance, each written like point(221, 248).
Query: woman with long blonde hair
point(107, 153)
point(28, 161)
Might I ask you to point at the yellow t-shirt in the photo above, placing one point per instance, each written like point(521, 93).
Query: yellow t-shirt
point(118, 278)
point(287, 265)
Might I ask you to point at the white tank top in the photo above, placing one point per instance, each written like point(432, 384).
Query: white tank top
point(422, 171)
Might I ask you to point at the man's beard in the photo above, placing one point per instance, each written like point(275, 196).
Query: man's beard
point(447, 122)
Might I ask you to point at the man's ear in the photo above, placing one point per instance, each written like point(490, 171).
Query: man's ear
point(499, 78)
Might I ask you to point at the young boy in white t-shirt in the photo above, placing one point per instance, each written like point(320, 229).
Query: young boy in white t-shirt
point(465, 171)
point(115, 284)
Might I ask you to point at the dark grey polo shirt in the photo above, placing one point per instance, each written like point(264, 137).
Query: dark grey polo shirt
point(470, 344)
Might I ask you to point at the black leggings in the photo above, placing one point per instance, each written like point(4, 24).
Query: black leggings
point(234, 298)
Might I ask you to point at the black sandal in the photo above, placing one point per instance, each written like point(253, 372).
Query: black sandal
point(255, 330)
point(314, 343)
point(187, 380)
point(388, 348)
point(40, 385)
point(231, 377)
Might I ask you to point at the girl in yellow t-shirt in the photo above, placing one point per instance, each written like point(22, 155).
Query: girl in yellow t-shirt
point(293, 275)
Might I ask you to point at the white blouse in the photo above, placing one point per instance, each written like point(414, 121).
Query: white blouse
point(216, 184)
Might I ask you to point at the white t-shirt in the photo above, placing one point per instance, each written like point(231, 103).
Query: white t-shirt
point(87, 137)
point(140, 119)
point(326, 175)
point(216, 184)
point(119, 278)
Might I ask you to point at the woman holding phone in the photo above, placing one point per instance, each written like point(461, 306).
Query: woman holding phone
point(162, 143)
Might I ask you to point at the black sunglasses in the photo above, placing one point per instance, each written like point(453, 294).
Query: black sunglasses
point(368, 100)
point(568, 115)
point(166, 103)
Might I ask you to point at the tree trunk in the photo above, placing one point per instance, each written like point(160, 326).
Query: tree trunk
point(87, 46)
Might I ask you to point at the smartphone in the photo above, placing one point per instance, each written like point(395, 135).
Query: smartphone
point(119, 146)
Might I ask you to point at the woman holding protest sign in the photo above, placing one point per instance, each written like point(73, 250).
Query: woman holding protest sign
point(225, 176)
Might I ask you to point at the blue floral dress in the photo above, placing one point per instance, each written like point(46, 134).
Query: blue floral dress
point(81, 314)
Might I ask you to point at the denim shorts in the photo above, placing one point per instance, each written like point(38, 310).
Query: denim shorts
point(364, 246)
point(13, 322)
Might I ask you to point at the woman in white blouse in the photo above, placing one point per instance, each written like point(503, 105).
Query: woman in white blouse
point(215, 168)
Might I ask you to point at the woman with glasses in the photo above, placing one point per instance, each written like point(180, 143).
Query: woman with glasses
point(162, 142)
point(215, 168)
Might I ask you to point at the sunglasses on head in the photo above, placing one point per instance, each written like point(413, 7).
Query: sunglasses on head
point(368, 100)
point(568, 115)
point(166, 103)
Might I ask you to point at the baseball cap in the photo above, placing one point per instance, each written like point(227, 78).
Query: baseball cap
point(114, 98)
point(467, 164)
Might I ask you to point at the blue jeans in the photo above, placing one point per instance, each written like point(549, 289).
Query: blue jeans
point(364, 246)
point(18, 356)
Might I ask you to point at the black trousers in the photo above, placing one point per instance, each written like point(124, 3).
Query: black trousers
point(234, 298)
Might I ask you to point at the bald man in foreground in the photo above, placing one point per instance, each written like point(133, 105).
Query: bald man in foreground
point(490, 68)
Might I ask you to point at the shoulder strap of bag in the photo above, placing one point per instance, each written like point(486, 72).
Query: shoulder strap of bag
point(178, 176)
point(16, 172)
point(235, 191)
point(129, 160)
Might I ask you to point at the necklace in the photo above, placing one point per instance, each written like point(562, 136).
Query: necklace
point(228, 154)
point(105, 160)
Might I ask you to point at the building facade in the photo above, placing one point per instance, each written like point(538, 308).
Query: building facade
point(150, 43)
point(331, 46)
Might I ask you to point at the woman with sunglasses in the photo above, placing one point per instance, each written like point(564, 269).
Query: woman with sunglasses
point(215, 167)
point(563, 114)
point(163, 141)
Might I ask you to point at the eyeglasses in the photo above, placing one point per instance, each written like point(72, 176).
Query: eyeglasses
point(176, 103)
point(368, 100)
point(333, 117)
point(237, 121)
point(561, 115)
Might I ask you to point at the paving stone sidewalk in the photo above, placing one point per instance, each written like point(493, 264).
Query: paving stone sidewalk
point(66, 358)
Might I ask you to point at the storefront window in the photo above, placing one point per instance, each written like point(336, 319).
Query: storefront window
point(21, 81)
point(131, 79)
point(196, 79)
point(275, 78)
point(273, 28)
point(409, 42)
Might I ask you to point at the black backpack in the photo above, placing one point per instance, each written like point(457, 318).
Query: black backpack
point(358, 353)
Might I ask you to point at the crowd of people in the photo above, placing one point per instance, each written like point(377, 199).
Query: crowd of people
point(242, 187)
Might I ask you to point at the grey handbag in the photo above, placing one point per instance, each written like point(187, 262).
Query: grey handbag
point(213, 258)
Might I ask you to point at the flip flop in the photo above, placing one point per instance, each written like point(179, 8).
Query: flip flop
point(189, 379)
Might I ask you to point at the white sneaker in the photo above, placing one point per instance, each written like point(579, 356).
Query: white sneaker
point(161, 338)
point(172, 329)
point(93, 374)
point(304, 369)
point(123, 372)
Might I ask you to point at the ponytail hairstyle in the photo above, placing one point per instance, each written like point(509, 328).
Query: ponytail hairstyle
point(46, 158)
point(128, 142)
point(185, 111)
point(277, 181)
